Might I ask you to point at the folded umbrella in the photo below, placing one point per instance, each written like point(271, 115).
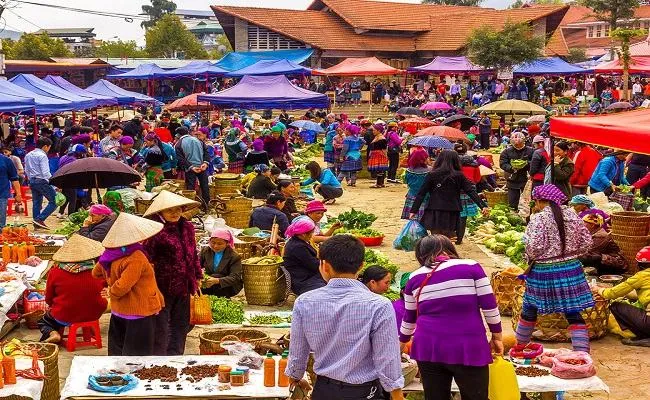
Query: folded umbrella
point(435, 105)
point(465, 120)
point(446, 132)
point(435, 142)
point(307, 125)
point(620, 105)
point(410, 111)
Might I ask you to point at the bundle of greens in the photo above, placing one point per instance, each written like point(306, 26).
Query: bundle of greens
point(391, 295)
point(377, 258)
point(268, 320)
point(73, 224)
point(226, 311)
point(354, 219)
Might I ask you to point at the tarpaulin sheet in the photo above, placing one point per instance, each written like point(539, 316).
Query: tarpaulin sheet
point(238, 60)
point(106, 88)
point(272, 67)
point(65, 85)
point(369, 66)
point(638, 65)
point(143, 71)
point(11, 101)
point(549, 66)
point(199, 69)
point(36, 85)
point(261, 92)
point(44, 104)
point(441, 65)
point(629, 130)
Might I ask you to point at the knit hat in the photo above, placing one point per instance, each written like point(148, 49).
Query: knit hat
point(126, 140)
point(130, 229)
point(79, 148)
point(279, 127)
point(643, 255)
point(224, 234)
point(204, 130)
point(151, 137)
point(538, 139)
point(315, 206)
point(78, 248)
point(100, 209)
point(533, 129)
point(550, 193)
point(582, 199)
point(595, 219)
point(166, 200)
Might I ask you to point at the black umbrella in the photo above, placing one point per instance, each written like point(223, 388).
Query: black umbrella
point(410, 111)
point(465, 120)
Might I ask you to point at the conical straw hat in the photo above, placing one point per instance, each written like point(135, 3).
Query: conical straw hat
point(485, 171)
point(78, 248)
point(129, 229)
point(167, 199)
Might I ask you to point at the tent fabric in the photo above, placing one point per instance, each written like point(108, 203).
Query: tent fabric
point(452, 65)
point(188, 103)
point(272, 67)
point(629, 130)
point(143, 71)
point(44, 105)
point(238, 60)
point(106, 88)
point(36, 85)
point(193, 69)
point(11, 101)
point(638, 65)
point(102, 101)
point(369, 66)
point(261, 92)
point(549, 66)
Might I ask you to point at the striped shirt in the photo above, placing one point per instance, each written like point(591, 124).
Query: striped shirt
point(448, 311)
point(351, 332)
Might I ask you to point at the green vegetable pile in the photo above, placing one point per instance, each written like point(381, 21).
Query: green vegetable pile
point(356, 223)
point(366, 232)
point(641, 204)
point(502, 233)
point(497, 150)
point(625, 188)
point(303, 156)
point(518, 164)
point(391, 295)
point(268, 320)
point(226, 311)
point(377, 258)
point(74, 223)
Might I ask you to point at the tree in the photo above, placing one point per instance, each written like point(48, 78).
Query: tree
point(36, 47)
point(576, 55)
point(501, 50)
point(223, 48)
point(612, 11)
point(120, 49)
point(156, 10)
point(169, 38)
point(472, 3)
point(625, 36)
point(522, 3)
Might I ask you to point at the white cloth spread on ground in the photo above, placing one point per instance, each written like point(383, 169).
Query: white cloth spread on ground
point(28, 388)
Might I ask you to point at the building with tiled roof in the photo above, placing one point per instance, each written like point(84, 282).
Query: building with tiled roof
point(401, 34)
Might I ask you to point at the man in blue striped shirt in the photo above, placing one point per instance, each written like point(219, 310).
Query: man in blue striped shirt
point(350, 330)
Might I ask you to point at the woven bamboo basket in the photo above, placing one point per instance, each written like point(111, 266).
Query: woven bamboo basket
point(630, 223)
point(252, 246)
point(630, 246)
point(48, 353)
point(190, 194)
point(236, 219)
point(225, 183)
point(180, 183)
point(142, 205)
point(210, 341)
point(45, 252)
point(494, 198)
point(264, 285)
point(235, 202)
point(505, 288)
point(553, 327)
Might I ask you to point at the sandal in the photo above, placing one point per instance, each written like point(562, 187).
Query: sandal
point(329, 201)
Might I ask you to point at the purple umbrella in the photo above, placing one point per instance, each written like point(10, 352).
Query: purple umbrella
point(435, 105)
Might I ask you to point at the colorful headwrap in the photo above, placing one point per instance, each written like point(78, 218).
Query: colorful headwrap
point(299, 227)
point(126, 140)
point(582, 199)
point(353, 129)
point(100, 209)
point(113, 200)
point(418, 158)
point(81, 139)
point(204, 130)
point(224, 234)
point(550, 193)
point(151, 137)
point(594, 219)
point(471, 137)
point(279, 127)
point(261, 168)
point(381, 128)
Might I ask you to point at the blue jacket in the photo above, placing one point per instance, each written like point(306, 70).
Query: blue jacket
point(606, 171)
point(326, 178)
point(262, 217)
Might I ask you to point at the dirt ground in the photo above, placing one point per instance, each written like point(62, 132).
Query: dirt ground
point(625, 369)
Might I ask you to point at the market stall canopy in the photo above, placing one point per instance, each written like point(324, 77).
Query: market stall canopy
point(638, 65)
point(199, 69)
point(102, 101)
point(513, 107)
point(106, 88)
point(549, 66)
point(11, 101)
point(272, 67)
point(628, 131)
point(44, 105)
point(449, 65)
point(189, 103)
point(142, 71)
point(369, 66)
point(36, 85)
point(262, 92)
point(238, 60)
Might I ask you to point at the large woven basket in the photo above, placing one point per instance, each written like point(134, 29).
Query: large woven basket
point(630, 246)
point(630, 223)
point(251, 247)
point(505, 289)
point(236, 219)
point(265, 285)
point(142, 205)
point(553, 327)
point(494, 198)
point(235, 202)
point(45, 252)
point(225, 183)
point(210, 341)
point(48, 353)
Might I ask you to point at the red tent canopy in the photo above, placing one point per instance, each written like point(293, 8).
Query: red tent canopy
point(628, 130)
point(369, 66)
point(638, 65)
point(189, 103)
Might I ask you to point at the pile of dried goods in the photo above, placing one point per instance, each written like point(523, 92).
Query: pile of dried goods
point(197, 372)
point(161, 372)
point(531, 371)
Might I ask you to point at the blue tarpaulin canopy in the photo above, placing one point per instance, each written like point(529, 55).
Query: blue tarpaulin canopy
point(272, 67)
point(36, 85)
point(199, 69)
point(238, 60)
point(258, 92)
point(105, 88)
point(11, 101)
point(59, 81)
point(143, 71)
point(44, 104)
point(549, 66)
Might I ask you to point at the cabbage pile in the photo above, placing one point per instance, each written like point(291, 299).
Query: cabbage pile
point(501, 232)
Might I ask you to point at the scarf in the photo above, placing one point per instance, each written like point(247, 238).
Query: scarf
point(113, 254)
point(77, 267)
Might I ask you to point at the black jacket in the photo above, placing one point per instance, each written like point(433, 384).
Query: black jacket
point(229, 270)
point(260, 187)
point(445, 190)
point(516, 179)
point(262, 217)
point(98, 231)
point(302, 263)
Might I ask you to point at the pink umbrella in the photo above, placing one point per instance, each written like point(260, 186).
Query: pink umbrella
point(435, 105)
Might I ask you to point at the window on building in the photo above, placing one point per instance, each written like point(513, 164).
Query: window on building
point(599, 31)
point(590, 32)
point(646, 25)
point(263, 39)
point(606, 32)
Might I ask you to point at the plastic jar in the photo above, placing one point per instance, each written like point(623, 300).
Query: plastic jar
point(237, 378)
point(246, 371)
point(224, 373)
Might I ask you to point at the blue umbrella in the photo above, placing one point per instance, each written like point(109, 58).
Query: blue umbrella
point(435, 142)
point(307, 125)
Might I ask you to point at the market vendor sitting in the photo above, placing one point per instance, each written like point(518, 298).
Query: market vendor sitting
point(71, 293)
point(222, 265)
point(634, 317)
point(98, 223)
point(315, 211)
point(377, 279)
point(301, 258)
point(604, 254)
point(262, 185)
point(583, 205)
point(263, 217)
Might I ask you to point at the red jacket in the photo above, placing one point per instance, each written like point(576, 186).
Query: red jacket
point(643, 182)
point(472, 173)
point(585, 163)
point(74, 297)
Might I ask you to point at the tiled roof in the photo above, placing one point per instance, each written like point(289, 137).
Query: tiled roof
point(558, 43)
point(588, 15)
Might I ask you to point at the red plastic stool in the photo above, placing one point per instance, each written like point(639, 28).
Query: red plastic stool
point(11, 201)
point(90, 335)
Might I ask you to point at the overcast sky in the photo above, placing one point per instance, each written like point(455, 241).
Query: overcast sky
point(35, 17)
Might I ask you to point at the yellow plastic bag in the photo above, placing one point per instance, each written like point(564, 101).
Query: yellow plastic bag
point(503, 381)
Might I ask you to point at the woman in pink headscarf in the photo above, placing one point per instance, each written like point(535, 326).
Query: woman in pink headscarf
point(301, 258)
point(222, 265)
point(99, 222)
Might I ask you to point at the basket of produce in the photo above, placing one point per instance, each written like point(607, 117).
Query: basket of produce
point(505, 284)
point(554, 327)
point(233, 202)
point(210, 341)
point(236, 219)
point(265, 282)
point(34, 306)
point(225, 183)
point(630, 246)
point(249, 246)
point(496, 197)
point(48, 353)
point(142, 205)
point(630, 223)
point(357, 223)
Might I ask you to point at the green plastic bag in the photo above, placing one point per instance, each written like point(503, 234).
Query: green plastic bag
point(59, 200)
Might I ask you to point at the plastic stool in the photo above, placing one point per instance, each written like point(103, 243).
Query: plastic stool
point(90, 335)
point(11, 201)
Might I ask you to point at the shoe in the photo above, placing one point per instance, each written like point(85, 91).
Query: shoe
point(61, 216)
point(40, 224)
point(636, 342)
